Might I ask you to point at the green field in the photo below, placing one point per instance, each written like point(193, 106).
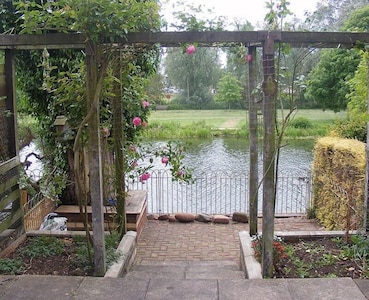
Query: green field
point(233, 118)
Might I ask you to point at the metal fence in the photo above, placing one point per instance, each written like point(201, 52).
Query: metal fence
point(221, 193)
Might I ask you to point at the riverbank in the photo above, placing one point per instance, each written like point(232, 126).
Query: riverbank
point(178, 124)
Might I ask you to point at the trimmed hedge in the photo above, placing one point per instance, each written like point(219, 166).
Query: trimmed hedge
point(339, 180)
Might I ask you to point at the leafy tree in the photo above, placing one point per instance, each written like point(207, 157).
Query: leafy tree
point(229, 90)
point(327, 83)
point(330, 15)
point(194, 74)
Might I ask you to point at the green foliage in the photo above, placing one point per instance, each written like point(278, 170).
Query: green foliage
point(351, 129)
point(101, 20)
point(327, 82)
point(358, 248)
point(190, 18)
point(358, 20)
point(229, 90)
point(184, 72)
point(42, 247)
point(301, 122)
point(278, 11)
point(11, 266)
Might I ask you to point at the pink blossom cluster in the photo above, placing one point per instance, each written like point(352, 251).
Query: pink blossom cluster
point(145, 176)
point(138, 122)
point(190, 49)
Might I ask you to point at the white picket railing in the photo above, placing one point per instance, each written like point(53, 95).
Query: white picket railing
point(221, 193)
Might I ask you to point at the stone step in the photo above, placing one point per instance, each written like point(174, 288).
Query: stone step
point(187, 270)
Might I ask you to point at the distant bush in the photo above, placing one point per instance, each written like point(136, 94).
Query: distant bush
point(351, 129)
point(301, 123)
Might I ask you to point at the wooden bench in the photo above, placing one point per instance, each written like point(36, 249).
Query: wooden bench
point(136, 213)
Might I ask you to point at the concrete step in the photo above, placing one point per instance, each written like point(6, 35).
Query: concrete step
point(187, 270)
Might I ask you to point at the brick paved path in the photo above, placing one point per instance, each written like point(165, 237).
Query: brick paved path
point(162, 241)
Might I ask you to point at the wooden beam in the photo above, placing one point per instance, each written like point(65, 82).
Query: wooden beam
point(174, 39)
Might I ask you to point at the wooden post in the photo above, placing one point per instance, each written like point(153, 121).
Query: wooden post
point(119, 141)
point(10, 103)
point(253, 145)
point(269, 123)
point(94, 150)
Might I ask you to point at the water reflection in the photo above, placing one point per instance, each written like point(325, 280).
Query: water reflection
point(232, 155)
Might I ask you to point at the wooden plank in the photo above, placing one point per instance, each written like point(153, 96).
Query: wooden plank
point(11, 219)
point(13, 196)
point(174, 39)
point(135, 201)
point(9, 164)
point(7, 185)
point(2, 86)
point(41, 41)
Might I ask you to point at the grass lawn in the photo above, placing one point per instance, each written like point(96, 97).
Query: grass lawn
point(232, 118)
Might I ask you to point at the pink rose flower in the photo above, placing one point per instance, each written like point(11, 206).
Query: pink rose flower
point(144, 177)
point(144, 124)
point(180, 173)
point(145, 104)
point(190, 49)
point(248, 57)
point(165, 160)
point(137, 121)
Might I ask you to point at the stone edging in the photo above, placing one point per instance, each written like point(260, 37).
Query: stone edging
point(127, 251)
point(249, 264)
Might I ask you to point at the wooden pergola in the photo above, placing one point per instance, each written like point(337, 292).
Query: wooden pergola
point(251, 39)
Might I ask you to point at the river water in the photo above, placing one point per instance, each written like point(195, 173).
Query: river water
point(220, 167)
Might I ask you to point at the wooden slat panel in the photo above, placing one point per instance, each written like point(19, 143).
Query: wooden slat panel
point(2, 86)
point(13, 196)
point(8, 184)
point(9, 164)
point(9, 221)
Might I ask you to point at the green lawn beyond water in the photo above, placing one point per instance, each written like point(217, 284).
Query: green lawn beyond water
point(232, 119)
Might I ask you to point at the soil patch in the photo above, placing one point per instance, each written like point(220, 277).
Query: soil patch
point(70, 259)
point(324, 257)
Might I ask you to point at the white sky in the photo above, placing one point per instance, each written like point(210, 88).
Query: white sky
point(253, 11)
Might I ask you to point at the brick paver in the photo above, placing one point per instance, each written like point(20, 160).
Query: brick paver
point(162, 241)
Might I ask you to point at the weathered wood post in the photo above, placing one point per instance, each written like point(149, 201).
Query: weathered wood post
point(269, 124)
point(118, 135)
point(253, 145)
point(94, 156)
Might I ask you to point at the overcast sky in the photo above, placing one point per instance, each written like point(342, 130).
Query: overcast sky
point(251, 10)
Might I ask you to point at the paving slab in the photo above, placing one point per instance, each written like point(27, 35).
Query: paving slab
point(111, 288)
point(214, 270)
point(324, 289)
point(157, 271)
point(254, 289)
point(6, 282)
point(160, 289)
point(29, 287)
point(363, 285)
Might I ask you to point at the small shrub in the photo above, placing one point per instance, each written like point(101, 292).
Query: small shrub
point(351, 129)
point(11, 266)
point(42, 247)
point(301, 123)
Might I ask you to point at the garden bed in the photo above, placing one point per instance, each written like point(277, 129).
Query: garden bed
point(324, 257)
point(50, 255)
